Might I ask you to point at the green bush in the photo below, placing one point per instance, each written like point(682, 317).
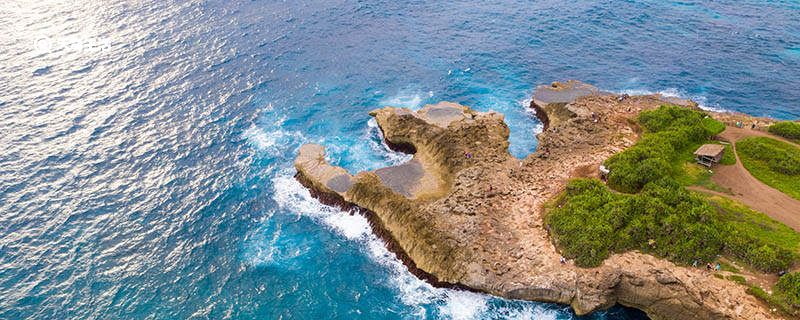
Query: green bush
point(668, 221)
point(670, 130)
point(761, 256)
point(664, 219)
point(789, 287)
point(785, 296)
point(786, 129)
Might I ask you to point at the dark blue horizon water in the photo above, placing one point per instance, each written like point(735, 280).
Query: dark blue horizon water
point(146, 147)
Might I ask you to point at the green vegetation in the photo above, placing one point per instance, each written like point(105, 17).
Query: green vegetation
point(672, 133)
point(697, 175)
point(754, 238)
point(738, 279)
point(774, 162)
point(787, 129)
point(728, 267)
point(780, 299)
point(785, 296)
point(666, 220)
point(728, 158)
point(656, 214)
point(772, 300)
point(788, 288)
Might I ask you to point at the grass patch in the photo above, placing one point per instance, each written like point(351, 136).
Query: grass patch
point(747, 221)
point(754, 238)
point(697, 175)
point(728, 158)
point(773, 162)
point(737, 278)
point(787, 129)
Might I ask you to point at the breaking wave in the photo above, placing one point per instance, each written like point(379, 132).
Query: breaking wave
point(702, 101)
point(291, 196)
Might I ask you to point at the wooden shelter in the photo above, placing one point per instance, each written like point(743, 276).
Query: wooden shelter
point(709, 154)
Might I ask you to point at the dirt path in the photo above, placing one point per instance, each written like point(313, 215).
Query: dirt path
point(732, 134)
point(748, 190)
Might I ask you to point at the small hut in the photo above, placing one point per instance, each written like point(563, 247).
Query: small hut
point(709, 154)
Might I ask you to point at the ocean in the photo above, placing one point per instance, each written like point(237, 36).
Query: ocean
point(146, 147)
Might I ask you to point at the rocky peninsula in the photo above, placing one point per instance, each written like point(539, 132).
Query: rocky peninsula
point(464, 212)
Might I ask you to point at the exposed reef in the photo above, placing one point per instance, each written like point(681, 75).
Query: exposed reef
point(464, 212)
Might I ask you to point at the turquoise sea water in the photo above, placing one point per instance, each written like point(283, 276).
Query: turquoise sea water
point(146, 147)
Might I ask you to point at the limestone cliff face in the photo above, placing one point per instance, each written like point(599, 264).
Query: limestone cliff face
point(463, 211)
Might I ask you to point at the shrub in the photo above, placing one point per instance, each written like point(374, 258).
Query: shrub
point(786, 129)
point(669, 131)
point(789, 287)
point(785, 296)
point(666, 220)
point(756, 253)
point(663, 219)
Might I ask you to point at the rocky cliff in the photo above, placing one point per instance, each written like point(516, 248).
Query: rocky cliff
point(464, 212)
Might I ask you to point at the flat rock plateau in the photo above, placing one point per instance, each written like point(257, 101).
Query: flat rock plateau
point(465, 213)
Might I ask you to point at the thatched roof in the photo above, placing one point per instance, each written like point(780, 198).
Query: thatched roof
point(709, 150)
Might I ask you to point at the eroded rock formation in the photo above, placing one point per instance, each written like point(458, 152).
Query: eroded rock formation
point(465, 212)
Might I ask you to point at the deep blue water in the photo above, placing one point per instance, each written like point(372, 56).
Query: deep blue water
point(146, 146)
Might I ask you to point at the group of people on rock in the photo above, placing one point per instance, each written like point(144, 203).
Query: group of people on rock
point(740, 124)
point(709, 267)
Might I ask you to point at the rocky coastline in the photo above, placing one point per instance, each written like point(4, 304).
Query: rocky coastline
point(464, 213)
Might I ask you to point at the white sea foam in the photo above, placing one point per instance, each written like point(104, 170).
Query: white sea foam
point(464, 305)
point(526, 106)
point(264, 253)
point(702, 101)
point(378, 145)
point(406, 99)
point(526, 312)
point(453, 304)
point(273, 141)
point(292, 196)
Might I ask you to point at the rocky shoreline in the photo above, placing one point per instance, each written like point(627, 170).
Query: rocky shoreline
point(464, 213)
